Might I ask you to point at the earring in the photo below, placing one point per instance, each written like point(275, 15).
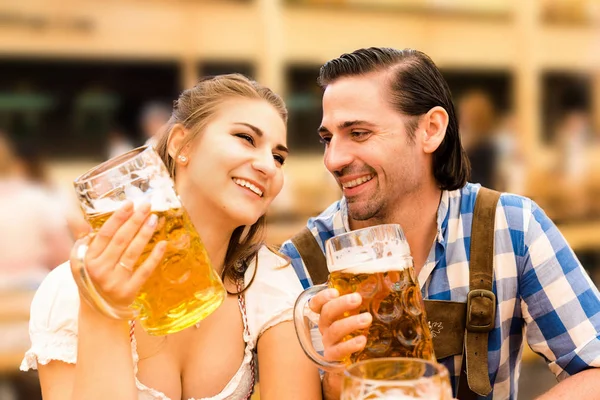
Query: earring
point(183, 159)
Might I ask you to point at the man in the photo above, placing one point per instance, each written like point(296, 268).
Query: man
point(392, 143)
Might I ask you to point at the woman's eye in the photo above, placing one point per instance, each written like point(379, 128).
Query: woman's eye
point(279, 159)
point(246, 137)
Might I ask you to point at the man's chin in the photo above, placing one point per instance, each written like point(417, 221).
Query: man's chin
point(360, 211)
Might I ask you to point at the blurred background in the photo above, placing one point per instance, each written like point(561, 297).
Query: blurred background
point(83, 80)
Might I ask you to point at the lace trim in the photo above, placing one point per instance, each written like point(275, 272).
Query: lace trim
point(283, 316)
point(42, 355)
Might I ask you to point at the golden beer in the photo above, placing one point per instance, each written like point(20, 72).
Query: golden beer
point(183, 288)
point(399, 327)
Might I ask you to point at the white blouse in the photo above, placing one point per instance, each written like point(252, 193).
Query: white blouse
point(55, 307)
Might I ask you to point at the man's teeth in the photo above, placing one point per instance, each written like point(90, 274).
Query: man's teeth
point(357, 182)
point(248, 185)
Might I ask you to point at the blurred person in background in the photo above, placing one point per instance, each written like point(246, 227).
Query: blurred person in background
point(117, 143)
point(477, 121)
point(511, 176)
point(225, 148)
point(572, 137)
point(392, 143)
point(34, 236)
point(153, 118)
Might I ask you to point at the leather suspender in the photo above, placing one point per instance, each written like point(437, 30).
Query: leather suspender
point(481, 301)
point(312, 255)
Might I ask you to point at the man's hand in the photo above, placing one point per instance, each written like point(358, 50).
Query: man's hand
point(335, 325)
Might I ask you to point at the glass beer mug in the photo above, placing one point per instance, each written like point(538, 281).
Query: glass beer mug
point(396, 379)
point(184, 288)
point(376, 263)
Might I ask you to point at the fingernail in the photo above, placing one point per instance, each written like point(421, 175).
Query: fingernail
point(152, 220)
point(355, 298)
point(365, 318)
point(332, 294)
point(360, 340)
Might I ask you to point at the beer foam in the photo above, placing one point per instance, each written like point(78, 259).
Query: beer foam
point(372, 267)
point(391, 255)
point(160, 195)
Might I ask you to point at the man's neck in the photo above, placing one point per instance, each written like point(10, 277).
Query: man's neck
point(417, 215)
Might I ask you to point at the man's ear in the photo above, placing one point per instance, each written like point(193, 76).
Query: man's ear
point(176, 140)
point(433, 127)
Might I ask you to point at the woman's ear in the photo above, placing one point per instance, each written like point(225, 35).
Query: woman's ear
point(174, 145)
point(434, 125)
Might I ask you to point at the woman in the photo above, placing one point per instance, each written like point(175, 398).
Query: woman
point(225, 147)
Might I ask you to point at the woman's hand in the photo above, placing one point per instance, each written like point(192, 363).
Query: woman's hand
point(116, 248)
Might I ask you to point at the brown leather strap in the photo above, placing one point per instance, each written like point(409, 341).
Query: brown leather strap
point(312, 256)
point(481, 301)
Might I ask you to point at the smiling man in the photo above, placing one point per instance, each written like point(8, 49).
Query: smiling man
point(392, 143)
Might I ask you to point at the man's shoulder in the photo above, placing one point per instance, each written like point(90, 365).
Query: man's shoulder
point(510, 202)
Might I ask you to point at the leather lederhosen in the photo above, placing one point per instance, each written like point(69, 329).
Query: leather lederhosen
point(466, 326)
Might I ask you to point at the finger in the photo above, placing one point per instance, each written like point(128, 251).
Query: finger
point(336, 308)
point(321, 298)
point(137, 246)
point(345, 326)
point(141, 275)
point(343, 350)
point(122, 239)
point(109, 229)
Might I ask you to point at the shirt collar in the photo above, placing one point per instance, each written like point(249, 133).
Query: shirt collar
point(341, 219)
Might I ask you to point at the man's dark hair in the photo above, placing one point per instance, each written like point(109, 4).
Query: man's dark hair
point(416, 86)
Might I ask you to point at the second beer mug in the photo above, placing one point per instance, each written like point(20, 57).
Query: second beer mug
point(184, 288)
point(376, 263)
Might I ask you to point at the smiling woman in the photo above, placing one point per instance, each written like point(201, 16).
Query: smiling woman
point(224, 144)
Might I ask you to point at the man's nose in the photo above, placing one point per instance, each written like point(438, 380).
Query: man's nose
point(338, 155)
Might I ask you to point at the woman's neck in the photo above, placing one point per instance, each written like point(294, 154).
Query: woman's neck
point(210, 225)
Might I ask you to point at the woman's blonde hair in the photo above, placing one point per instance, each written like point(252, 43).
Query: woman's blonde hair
point(194, 109)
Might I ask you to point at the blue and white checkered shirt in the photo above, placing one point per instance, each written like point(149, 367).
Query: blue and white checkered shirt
point(543, 293)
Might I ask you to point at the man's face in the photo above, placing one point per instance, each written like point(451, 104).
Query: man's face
point(368, 149)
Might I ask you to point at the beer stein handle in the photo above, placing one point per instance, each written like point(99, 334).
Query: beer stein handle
point(89, 291)
point(301, 313)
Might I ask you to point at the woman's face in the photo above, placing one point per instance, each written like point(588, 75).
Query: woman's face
point(235, 164)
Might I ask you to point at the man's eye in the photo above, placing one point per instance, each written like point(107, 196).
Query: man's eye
point(324, 140)
point(246, 137)
point(360, 134)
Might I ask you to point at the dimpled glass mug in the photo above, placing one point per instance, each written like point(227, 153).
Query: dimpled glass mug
point(184, 288)
point(396, 379)
point(376, 263)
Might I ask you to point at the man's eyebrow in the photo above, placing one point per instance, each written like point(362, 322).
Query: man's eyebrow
point(345, 125)
point(260, 133)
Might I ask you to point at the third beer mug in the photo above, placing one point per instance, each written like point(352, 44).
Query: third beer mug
point(376, 263)
point(184, 288)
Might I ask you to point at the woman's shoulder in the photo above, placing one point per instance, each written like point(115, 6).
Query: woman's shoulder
point(53, 320)
point(272, 292)
point(56, 302)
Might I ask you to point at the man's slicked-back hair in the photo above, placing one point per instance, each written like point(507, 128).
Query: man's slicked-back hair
point(416, 86)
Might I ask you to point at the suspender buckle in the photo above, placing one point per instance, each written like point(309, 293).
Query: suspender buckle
point(481, 310)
